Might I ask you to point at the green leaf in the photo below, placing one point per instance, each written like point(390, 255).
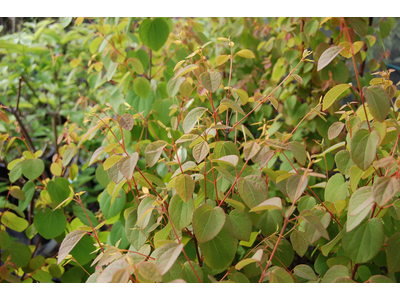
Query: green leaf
point(154, 33)
point(384, 28)
point(17, 193)
point(83, 252)
point(153, 152)
point(81, 215)
point(16, 171)
point(96, 154)
point(299, 152)
point(58, 189)
point(378, 102)
point(284, 254)
point(32, 168)
point(311, 232)
point(137, 66)
point(379, 279)
point(336, 188)
point(227, 160)
point(107, 209)
point(117, 233)
point(139, 104)
point(246, 53)
point(299, 242)
point(219, 60)
point(298, 78)
point(328, 55)
point(4, 239)
point(393, 253)
point(207, 222)
point(67, 156)
point(64, 22)
point(363, 147)
point(180, 212)
point(184, 186)
point(211, 80)
point(227, 103)
point(36, 262)
point(200, 151)
point(305, 271)
point(384, 188)
point(335, 272)
point(69, 243)
point(333, 94)
point(166, 256)
point(188, 274)
point(250, 243)
point(335, 129)
point(134, 235)
point(280, 275)
point(145, 211)
point(364, 242)
point(173, 86)
point(50, 224)
point(244, 97)
point(141, 86)
point(112, 160)
point(314, 222)
point(359, 206)
point(160, 107)
point(191, 118)
point(149, 271)
point(295, 186)
point(162, 235)
point(42, 276)
point(220, 251)
point(127, 165)
point(360, 25)
point(111, 70)
point(311, 27)
point(344, 162)
point(225, 148)
point(251, 149)
point(326, 249)
point(185, 70)
point(252, 190)
point(12, 221)
point(20, 254)
point(244, 262)
point(272, 203)
point(241, 225)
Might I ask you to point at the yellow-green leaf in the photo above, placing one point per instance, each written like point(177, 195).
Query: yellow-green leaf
point(246, 53)
point(333, 94)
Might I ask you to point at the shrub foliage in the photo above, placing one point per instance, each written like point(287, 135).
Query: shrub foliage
point(199, 150)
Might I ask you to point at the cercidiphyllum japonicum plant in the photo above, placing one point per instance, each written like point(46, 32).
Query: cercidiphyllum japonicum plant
point(223, 161)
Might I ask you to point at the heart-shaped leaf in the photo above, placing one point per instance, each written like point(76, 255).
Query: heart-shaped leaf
point(208, 222)
point(211, 80)
point(184, 186)
point(363, 147)
point(252, 190)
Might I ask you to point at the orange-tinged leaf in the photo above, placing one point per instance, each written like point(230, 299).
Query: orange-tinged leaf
point(126, 122)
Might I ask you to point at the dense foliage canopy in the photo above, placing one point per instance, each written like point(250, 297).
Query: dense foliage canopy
point(199, 150)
